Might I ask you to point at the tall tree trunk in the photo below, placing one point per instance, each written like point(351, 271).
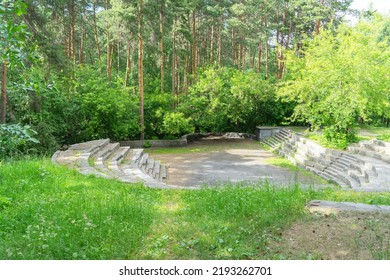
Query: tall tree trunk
point(108, 53)
point(233, 49)
point(253, 59)
point(282, 64)
point(72, 30)
point(203, 52)
point(266, 50)
point(96, 32)
point(239, 57)
point(266, 61)
point(212, 44)
point(118, 54)
point(243, 58)
point(173, 74)
point(220, 40)
point(162, 56)
point(177, 80)
point(128, 64)
point(318, 22)
point(109, 62)
point(140, 72)
point(65, 33)
point(3, 92)
point(194, 49)
point(81, 49)
point(259, 57)
point(185, 79)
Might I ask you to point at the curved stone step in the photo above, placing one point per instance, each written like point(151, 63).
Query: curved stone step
point(156, 170)
point(149, 166)
point(109, 160)
point(143, 161)
point(280, 138)
point(114, 161)
point(163, 176)
point(106, 151)
point(101, 157)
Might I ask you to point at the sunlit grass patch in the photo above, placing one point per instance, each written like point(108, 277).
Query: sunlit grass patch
point(384, 137)
point(233, 221)
point(282, 162)
point(55, 213)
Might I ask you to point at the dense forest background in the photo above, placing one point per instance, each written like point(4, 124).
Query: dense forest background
point(141, 69)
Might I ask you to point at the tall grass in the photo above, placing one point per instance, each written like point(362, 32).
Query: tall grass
point(54, 213)
point(241, 221)
point(49, 212)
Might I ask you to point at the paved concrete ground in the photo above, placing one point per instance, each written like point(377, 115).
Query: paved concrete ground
point(213, 161)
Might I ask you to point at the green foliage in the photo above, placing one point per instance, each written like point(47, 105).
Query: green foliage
point(384, 137)
point(13, 34)
point(156, 106)
point(175, 124)
point(15, 139)
point(226, 99)
point(36, 100)
point(107, 109)
point(49, 212)
point(4, 202)
point(147, 144)
point(337, 79)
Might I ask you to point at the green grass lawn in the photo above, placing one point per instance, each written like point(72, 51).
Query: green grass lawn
point(364, 133)
point(49, 212)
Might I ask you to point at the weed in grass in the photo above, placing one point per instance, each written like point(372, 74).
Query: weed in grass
point(91, 161)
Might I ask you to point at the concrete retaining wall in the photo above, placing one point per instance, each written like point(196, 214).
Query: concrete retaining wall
point(185, 139)
point(155, 143)
point(262, 132)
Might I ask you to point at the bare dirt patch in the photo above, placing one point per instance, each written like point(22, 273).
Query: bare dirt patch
point(345, 235)
point(213, 161)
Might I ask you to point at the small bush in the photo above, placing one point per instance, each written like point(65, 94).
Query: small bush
point(15, 139)
point(339, 138)
point(175, 124)
point(147, 144)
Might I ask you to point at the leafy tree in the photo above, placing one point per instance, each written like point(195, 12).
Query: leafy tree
point(338, 79)
point(226, 99)
point(14, 139)
point(176, 124)
point(13, 48)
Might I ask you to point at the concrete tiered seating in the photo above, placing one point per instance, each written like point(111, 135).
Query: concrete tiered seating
point(369, 170)
point(109, 160)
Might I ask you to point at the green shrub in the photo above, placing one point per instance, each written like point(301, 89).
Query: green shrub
point(175, 124)
point(15, 139)
point(147, 144)
point(226, 99)
point(339, 138)
point(108, 110)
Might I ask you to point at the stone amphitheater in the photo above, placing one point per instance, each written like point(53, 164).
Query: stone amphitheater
point(363, 167)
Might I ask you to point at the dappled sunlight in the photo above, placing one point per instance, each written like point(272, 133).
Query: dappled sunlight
point(231, 161)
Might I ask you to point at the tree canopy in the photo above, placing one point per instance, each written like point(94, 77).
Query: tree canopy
point(131, 69)
point(341, 76)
